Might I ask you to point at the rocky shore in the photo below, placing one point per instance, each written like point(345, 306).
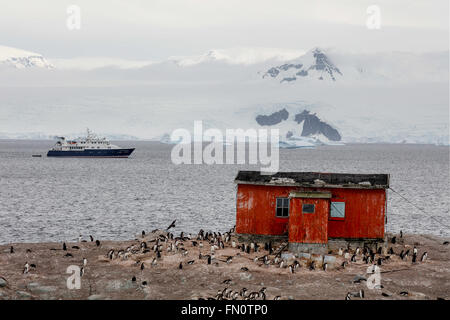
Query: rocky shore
point(154, 266)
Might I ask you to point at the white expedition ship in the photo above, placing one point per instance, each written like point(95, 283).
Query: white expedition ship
point(89, 147)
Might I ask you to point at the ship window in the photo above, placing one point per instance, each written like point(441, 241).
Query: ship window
point(337, 210)
point(282, 207)
point(308, 208)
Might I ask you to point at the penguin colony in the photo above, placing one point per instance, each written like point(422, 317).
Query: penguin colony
point(208, 244)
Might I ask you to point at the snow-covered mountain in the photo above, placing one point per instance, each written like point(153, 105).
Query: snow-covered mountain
point(238, 56)
point(314, 64)
point(332, 65)
point(366, 97)
point(20, 59)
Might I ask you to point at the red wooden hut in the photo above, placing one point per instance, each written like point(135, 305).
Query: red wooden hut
point(313, 209)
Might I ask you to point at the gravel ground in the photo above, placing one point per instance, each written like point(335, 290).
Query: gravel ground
point(106, 278)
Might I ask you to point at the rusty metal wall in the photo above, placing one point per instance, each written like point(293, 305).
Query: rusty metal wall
point(364, 211)
point(364, 214)
point(308, 227)
point(255, 210)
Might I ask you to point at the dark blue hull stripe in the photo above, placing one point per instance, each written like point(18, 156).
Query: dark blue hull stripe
point(102, 153)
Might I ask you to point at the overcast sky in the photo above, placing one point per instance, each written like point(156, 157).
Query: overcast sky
point(156, 29)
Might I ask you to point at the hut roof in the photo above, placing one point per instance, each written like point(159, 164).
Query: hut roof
point(315, 179)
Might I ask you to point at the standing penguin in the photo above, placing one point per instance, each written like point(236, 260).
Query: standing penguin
point(26, 268)
point(64, 246)
point(424, 256)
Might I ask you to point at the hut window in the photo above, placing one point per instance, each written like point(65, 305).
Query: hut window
point(282, 207)
point(308, 208)
point(337, 210)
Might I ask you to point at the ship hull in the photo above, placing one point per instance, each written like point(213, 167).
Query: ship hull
point(92, 153)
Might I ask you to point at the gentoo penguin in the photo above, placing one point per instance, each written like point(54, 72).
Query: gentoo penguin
point(243, 292)
point(227, 281)
point(424, 256)
point(81, 271)
point(233, 244)
point(348, 296)
point(64, 246)
point(344, 264)
point(97, 242)
point(391, 251)
point(353, 259)
point(26, 268)
point(401, 234)
point(180, 266)
point(277, 298)
point(73, 247)
point(414, 258)
point(357, 251)
point(191, 262)
point(229, 259)
point(415, 250)
point(282, 264)
point(291, 268)
point(379, 261)
point(143, 233)
point(340, 252)
point(154, 262)
point(312, 265)
point(142, 266)
point(92, 238)
point(68, 255)
point(394, 240)
point(84, 261)
point(144, 283)
point(172, 225)
point(379, 250)
point(11, 250)
point(209, 259)
point(247, 249)
point(361, 293)
point(402, 255)
point(80, 238)
point(245, 269)
point(325, 266)
point(133, 279)
point(262, 293)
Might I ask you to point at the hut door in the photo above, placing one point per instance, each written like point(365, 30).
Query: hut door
point(308, 220)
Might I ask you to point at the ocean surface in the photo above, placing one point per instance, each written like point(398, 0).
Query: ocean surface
point(54, 199)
